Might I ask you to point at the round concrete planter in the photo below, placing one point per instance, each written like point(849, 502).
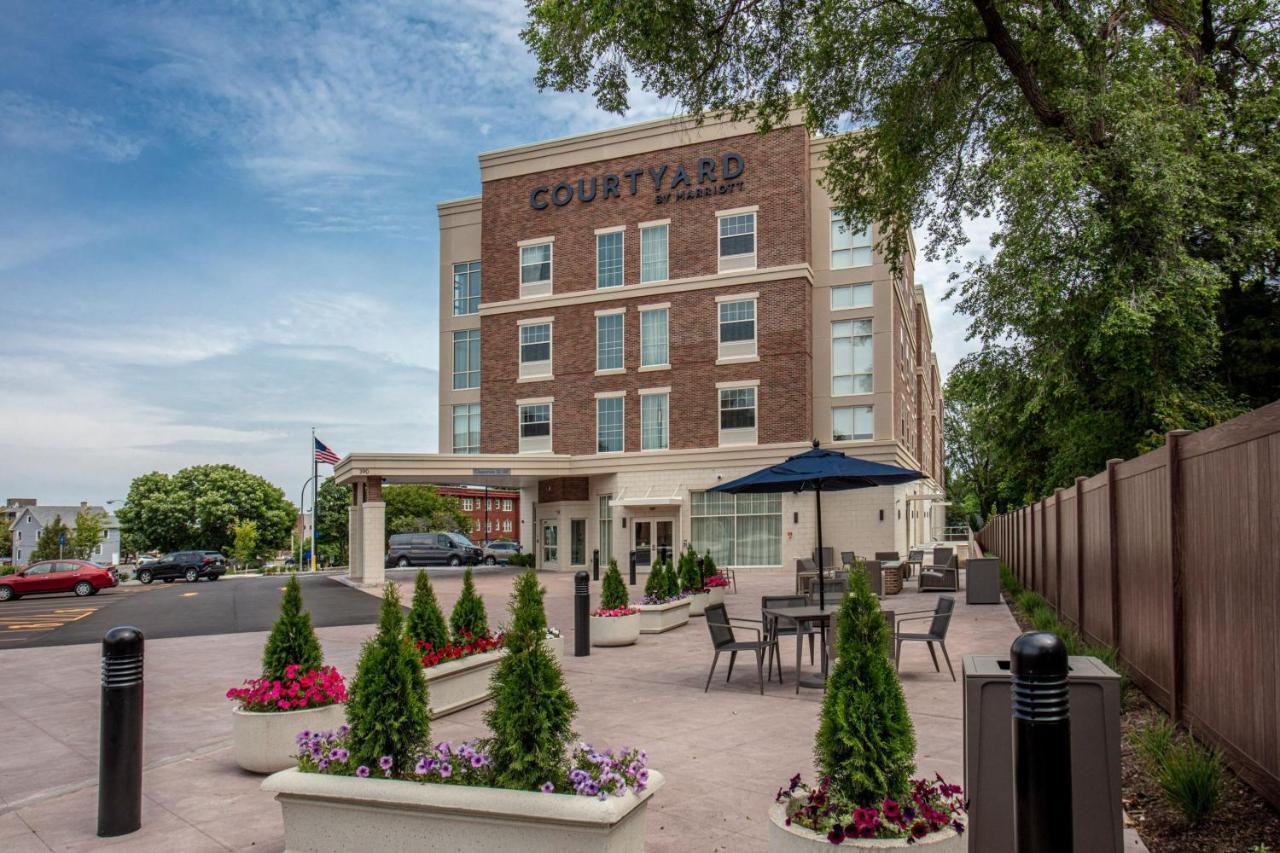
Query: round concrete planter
point(267, 741)
point(555, 645)
point(615, 630)
point(716, 594)
point(698, 602)
point(658, 618)
point(334, 814)
point(797, 839)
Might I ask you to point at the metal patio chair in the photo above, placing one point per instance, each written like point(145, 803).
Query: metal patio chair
point(806, 571)
point(939, 622)
point(847, 558)
point(719, 623)
point(775, 631)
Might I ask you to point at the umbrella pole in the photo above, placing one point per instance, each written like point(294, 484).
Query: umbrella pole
point(822, 580)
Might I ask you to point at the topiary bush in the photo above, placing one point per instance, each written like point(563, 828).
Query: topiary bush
point(468, 617)
point(689, 577)
point(292, 639)
point(426, 623)
point(655, 586)
point(531, 719)
point(613, 592)
point(709, 566)
point(865, 743)
point(388, 701)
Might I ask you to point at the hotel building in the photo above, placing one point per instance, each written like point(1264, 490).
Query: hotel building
point(663, 307)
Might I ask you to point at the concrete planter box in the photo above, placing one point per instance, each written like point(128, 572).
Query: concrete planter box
point(698, 602)
point(459, 684)
point(555, 645)
point(658, 618)
point(797, 839)
point(717, 594)
point(615, 630)
point(267, 741)
point(334, 814)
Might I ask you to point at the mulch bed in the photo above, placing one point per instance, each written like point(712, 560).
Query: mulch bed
point(1244, 821)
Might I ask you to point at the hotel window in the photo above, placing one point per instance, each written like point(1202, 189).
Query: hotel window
point(849, 248)
point(738, 415)
point(578, 542)
point(653, 253)
point(466, 288)
point(606, 528)
point(653, 338)
point(609, 341)
point(506, 525)
point(850, 296)
point(535, 350)
point(535, 428)
point(851, 357)
point(609, 259)
point(852, 423)
point(466, 359)
point(738, 530)
point(466, 430)
point(467, 505)
point(654, 420)
point(488, 504)
point(535, 269)
point(609, 424)
point(506, 504)
point(737, 241)
point(737, 328)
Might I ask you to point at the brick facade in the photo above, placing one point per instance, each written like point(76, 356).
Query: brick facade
point(504, 524)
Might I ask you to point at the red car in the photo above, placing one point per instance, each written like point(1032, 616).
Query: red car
point(78, 576)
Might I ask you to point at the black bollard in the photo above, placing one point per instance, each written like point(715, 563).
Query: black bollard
point(702, 580)
point(581, 615)
point(595, 565)
point(633, 568)
point(1041, 744)
point(120, 737)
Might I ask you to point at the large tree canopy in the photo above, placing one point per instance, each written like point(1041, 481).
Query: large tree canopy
point(198, 507)
point(1128, 150)
point(414, 508)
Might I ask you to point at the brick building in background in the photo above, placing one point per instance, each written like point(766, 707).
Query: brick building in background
point(634, 315)
point(495, 513)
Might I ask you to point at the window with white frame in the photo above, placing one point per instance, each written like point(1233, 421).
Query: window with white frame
point(609, 259)
point(737, 241)
point(738, 530)
point(609, 420)
point(850, 296)
point(535, 427)
point(653, 253)
point(850, 247)
point(609, 341)
point(506, 525)
point(466, 428)
point(466, 359)
point(852, 423)
point(654, 348)
point(550, 542)
point(737, 323)
point(466, 288)
point(851, 363)
point(535, 269)
point(535, 350)
point(506, 504)
point(655, 412)
point(467, 505)
point(738, 415)
point(606, 527)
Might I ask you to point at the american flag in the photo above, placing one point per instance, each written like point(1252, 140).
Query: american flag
point(324, 454)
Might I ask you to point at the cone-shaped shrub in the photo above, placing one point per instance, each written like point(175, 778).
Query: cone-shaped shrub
point(532, 714)
point(656, 584)
point(709, 567)
point(672, 581)
point(468, 616)
point(613, 592)
point(689, 578)
point(426, 623)
point(387, 705)
point(865, 742)
point(292, 639)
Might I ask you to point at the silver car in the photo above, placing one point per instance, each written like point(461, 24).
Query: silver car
point(500, 552)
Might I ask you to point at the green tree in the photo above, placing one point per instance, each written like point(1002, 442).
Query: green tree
point(656, 584)
point(333, 521)
point(865, 742)
point(426, 623)
point(689, 577)
point(531, 719)
point(292, 639)
point(87, 535)
point(468, 617)
point(245, 544)
point(49, 545)
point(613, 591)
point(198, 507)
point(414, 508)
point(6, 539)
point(1128, 152)
point(387, 707)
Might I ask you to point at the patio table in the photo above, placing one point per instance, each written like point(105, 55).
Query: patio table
point(800, 616)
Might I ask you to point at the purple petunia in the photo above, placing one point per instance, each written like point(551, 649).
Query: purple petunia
point(547, 788)
point(362, 772)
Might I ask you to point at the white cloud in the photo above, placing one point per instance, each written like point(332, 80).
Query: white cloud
point(30, 122)
point(950, 328)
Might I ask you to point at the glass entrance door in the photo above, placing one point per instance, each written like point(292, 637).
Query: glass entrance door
point(644, 542)
point(654, 540)
point(664, 536)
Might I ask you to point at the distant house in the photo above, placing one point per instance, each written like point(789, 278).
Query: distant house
point(30, 520)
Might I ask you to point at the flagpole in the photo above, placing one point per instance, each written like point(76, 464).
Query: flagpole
point(315, 494)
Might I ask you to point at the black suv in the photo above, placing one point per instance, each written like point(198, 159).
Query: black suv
point(422, 549)
point(190, 565)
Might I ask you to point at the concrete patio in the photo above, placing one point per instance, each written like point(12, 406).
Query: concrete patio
point(724, 753)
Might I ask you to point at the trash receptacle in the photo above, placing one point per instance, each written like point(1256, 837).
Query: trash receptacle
point(982, 581)
point(1097, 817)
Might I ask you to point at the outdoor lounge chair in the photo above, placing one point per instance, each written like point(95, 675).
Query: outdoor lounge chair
point(833, 590)
point(847, 558)
point(943, 574)
point(887, 556)
point(828, 557)
point(719, 623)
point(773, 631)
point(939, 622)
point(874, 577)
point(806, 571)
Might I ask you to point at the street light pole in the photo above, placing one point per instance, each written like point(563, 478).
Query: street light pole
point(302, 506)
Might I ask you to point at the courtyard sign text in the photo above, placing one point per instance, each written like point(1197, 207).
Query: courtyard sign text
point(708, 177)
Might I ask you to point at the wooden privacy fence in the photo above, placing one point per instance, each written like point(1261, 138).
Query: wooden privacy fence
point(1173, 558)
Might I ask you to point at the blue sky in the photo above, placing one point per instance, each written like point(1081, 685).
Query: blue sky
point(217, 226)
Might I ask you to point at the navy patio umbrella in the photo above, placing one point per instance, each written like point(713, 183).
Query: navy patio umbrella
point(816, 471)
